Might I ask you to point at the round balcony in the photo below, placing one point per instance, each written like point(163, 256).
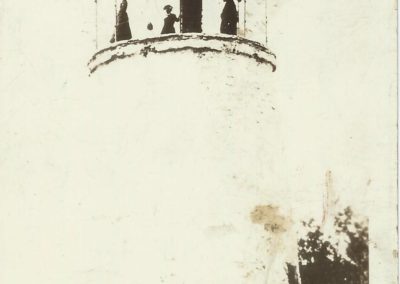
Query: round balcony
point(200, 44)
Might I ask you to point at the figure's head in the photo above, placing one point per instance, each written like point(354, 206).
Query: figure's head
point(168, 8)
point(124, 5)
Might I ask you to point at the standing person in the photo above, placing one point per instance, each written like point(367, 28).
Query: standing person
point(122, 28)
point(169, 21)
point(229, 18)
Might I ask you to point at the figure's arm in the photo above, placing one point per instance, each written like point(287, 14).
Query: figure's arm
point(112, 40)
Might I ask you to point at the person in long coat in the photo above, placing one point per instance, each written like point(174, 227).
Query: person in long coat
point(229, 18)
point(169, 21)
point(122, 28)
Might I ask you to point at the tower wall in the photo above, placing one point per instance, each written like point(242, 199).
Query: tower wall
point(192, 155)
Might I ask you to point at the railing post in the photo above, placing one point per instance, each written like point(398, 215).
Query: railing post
point(191, 16)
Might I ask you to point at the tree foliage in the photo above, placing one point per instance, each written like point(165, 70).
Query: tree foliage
point(320, 261)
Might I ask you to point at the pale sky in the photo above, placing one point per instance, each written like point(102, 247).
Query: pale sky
point(335, 84)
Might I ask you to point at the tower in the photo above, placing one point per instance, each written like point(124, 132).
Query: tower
point(191, 131)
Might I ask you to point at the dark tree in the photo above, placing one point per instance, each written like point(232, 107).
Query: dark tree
point(357, 249)
point(320, 261)
point(292, 274)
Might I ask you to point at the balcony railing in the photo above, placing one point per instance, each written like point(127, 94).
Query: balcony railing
point(189, 42)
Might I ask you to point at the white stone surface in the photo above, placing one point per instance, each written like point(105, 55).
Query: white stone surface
point(61, 219)
point(196, 151)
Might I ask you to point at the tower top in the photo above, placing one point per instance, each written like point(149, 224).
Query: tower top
point(143, 19)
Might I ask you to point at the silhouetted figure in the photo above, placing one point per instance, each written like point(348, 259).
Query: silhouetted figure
point(169, 21)
point(229, 18)
point(122, 28)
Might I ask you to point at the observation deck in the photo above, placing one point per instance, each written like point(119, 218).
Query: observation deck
point(201, 44)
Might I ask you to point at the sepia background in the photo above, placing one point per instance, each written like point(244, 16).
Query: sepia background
point(335, 87)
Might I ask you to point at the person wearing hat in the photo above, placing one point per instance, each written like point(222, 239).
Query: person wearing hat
point(169, 21)
point(122, 28)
